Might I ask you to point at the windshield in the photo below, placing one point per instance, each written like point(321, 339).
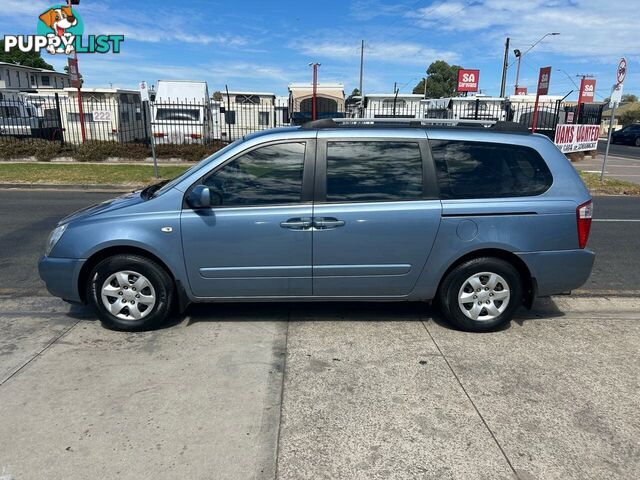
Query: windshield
point(179, 178)
point(181, 114)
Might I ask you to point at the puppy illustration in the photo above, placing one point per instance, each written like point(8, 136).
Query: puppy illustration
point(59, 20)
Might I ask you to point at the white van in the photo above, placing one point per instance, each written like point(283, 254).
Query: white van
point(477, 107)
point(181, 112)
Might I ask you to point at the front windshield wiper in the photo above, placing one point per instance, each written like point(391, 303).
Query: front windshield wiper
point(148, 192)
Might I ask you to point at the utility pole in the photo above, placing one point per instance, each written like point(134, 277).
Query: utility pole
point(361, 75)
point(80, 107)
point(505, 64)
point(314, 97)
point(518, 55)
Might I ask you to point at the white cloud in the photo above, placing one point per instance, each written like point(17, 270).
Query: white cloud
point(407, 53)
point(589, 28)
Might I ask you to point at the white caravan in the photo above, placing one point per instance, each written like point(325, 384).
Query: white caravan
point(181, 112)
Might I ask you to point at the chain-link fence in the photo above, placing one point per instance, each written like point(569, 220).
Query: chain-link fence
point(123, 118)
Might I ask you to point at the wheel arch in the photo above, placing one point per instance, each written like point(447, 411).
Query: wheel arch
point(529, 286)
point(107, 252)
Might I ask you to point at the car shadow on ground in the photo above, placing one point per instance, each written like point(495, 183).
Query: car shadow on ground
point(325, 312)
point(343, 311)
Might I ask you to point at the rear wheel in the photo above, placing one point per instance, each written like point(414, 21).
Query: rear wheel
point(130, 293)
point(481, 294)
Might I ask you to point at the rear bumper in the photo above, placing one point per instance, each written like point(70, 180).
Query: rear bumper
point(559, 271)
point(60, 275)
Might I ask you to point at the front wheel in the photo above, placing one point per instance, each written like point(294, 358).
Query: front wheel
point(637, 142)
point(481, 294)
point(130, 293)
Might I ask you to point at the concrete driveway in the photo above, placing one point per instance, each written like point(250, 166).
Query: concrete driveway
point(344, 391)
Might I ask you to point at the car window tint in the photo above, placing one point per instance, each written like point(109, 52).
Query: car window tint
point(373, 171)
point(487, 170)
point(268, 175)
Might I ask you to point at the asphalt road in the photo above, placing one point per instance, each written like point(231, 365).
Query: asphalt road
point(26, 218)
point(627, 151)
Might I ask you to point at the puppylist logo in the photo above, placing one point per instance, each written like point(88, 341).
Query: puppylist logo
point(60, 31)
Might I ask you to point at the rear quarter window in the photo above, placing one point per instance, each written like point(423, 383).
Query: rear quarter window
point(488, 170)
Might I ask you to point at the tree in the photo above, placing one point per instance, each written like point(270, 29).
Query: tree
point(26, 59)
point(630, 115)
point(441, 82)
point(628, 98)
point(217, 96)
point(355, 93)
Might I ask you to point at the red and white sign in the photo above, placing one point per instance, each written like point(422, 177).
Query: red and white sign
point(576, 138)
point(521, 90)
point(621, 73)
point(543, 80)
point(74, 73)
point(587, 90)
point(468, 80)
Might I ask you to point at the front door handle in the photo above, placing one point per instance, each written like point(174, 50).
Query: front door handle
point(326, 223)
point(297, 224)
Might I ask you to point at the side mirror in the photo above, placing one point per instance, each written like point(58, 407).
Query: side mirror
point(199, 197)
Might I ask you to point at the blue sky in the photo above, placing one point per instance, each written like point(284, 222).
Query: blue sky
point(264, 45)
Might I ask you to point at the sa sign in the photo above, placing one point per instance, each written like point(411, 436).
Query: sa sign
point(543, 80)
point(468, 80)
point(587, 90)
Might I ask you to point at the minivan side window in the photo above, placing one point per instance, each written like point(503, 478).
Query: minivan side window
point(270, 175)
point(488, 170)
point(382, 171)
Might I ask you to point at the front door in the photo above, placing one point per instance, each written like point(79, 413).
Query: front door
point(376, 215)
point(256, 240)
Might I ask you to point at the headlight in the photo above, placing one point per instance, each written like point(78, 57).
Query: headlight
point(55, 236)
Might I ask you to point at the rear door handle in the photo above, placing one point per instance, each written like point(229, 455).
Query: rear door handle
point(297, 224)
point(326, 223)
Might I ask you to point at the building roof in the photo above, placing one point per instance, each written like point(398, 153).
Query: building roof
point(101, 90)
point(260, 94)
point(623, 107)
point(32, 69)
point(417, 96)
point(319, 85)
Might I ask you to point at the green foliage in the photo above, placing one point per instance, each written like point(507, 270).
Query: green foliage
point(629, 98)
point(217, 96)
point(30, 59)
point(42, 150)
point(96, 151)
point(630, 115)
point(441, 82)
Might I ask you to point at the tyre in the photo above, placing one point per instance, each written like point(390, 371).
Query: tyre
point(481, 295)
point(130, 293)
point(637, 142)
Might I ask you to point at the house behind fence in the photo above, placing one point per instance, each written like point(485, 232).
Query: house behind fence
point(183, 112)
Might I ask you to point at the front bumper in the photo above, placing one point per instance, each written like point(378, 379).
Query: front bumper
point(60, 275)
point(559, 271)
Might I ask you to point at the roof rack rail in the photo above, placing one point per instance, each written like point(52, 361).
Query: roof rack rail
point(496, 125)
point(414, 121)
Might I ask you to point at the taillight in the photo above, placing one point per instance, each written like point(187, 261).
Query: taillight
point(158, 135)
point(194, 136)
point(584, 214)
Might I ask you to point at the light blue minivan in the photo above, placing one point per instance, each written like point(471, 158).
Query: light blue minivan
point(480, 220)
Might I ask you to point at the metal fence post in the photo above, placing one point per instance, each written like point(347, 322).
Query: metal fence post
point(59, 119)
